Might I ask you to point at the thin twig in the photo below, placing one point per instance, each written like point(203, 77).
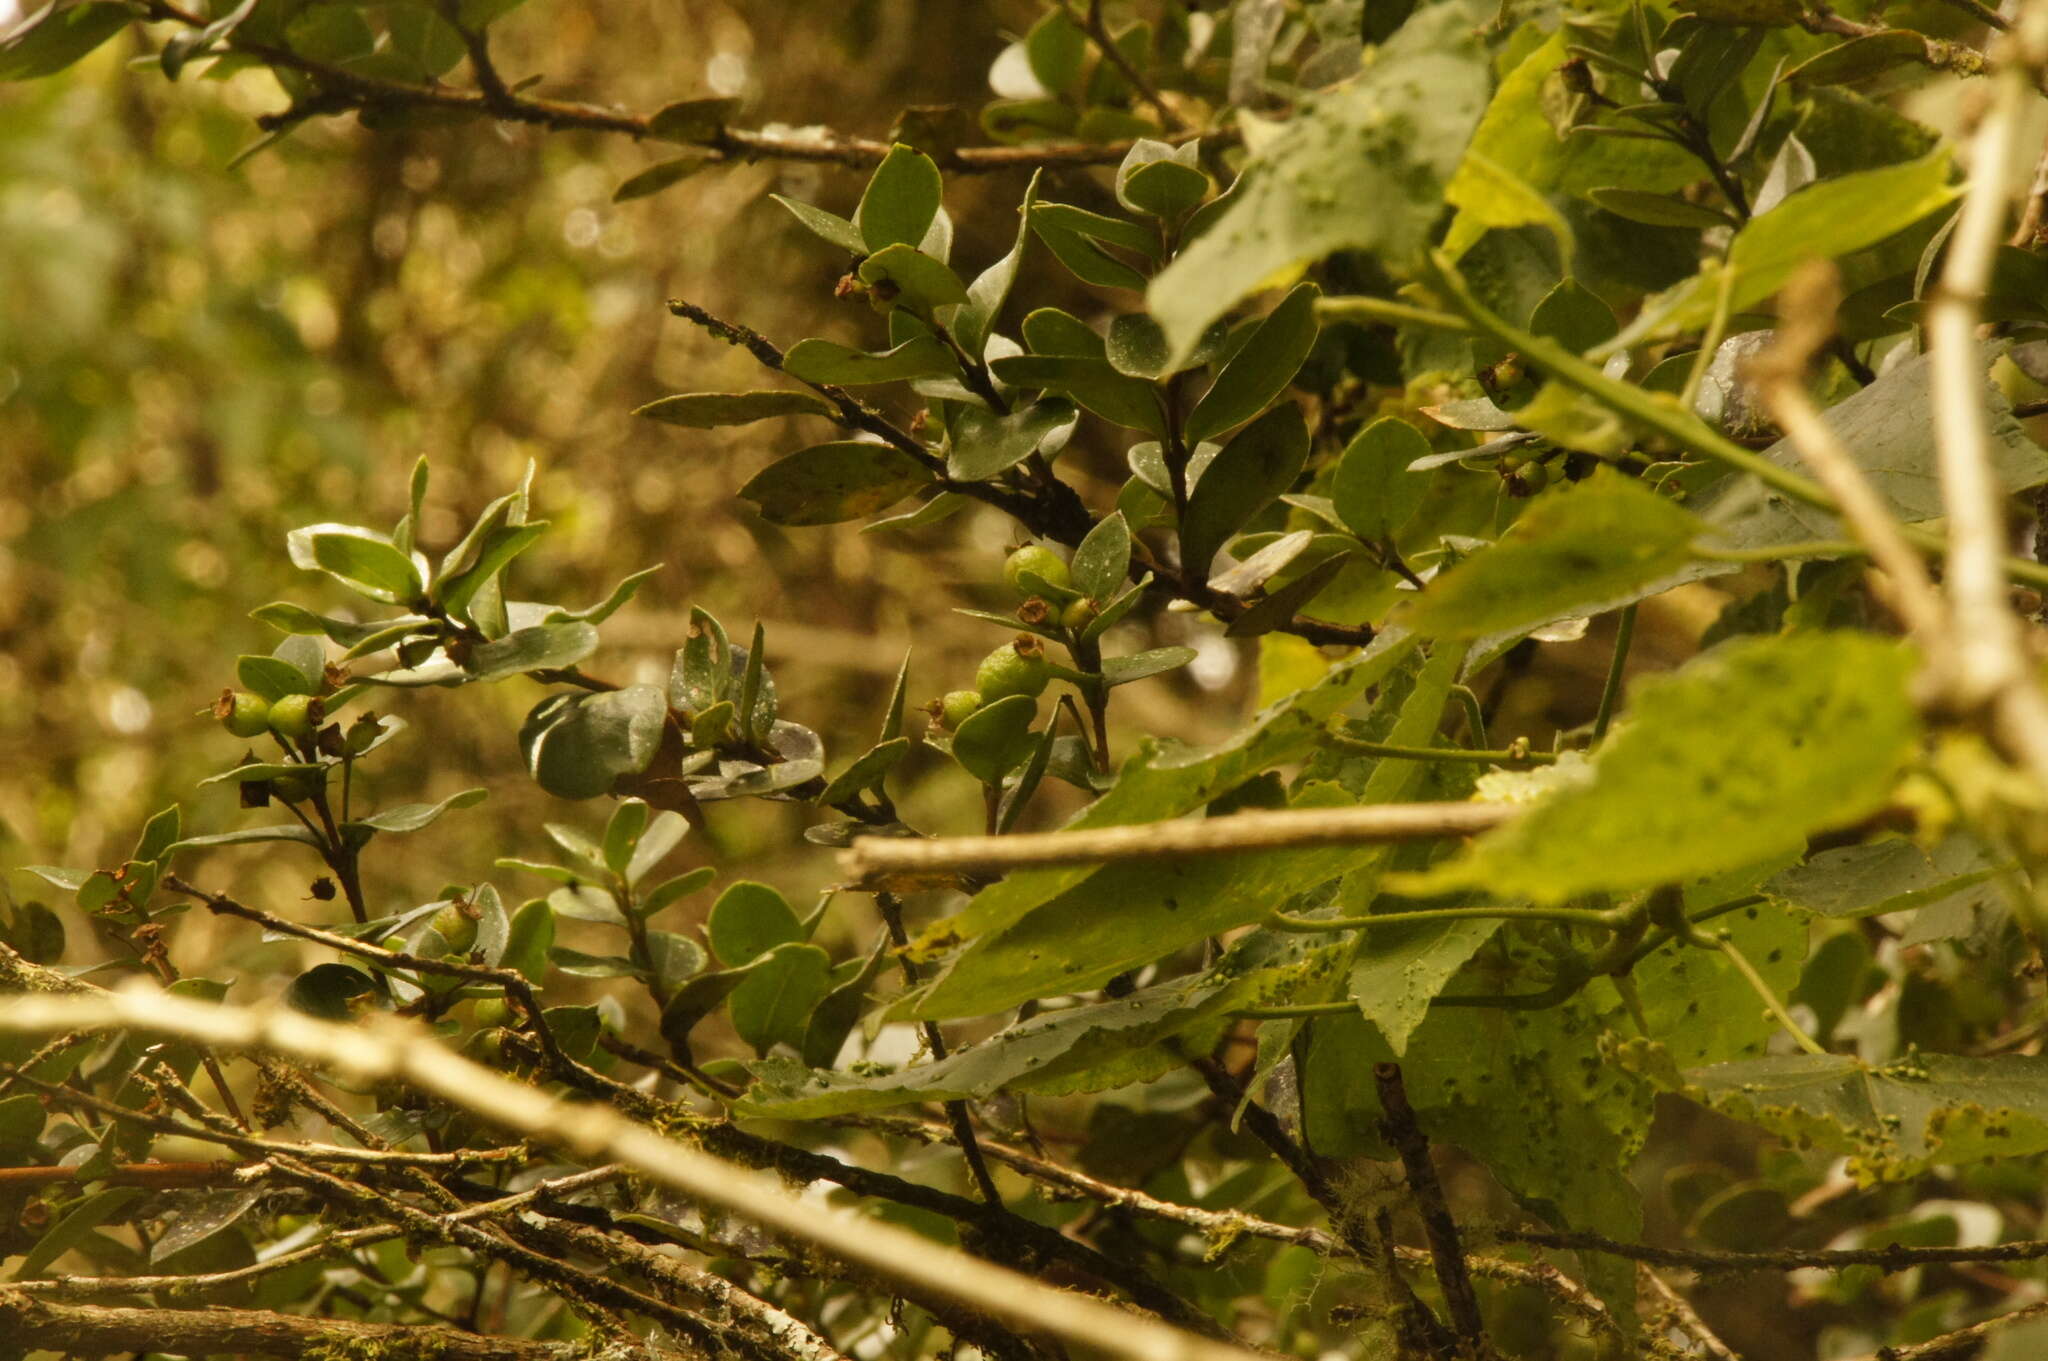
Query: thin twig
point(1453, 1279)
point(390, 1050)
point(1806, 318)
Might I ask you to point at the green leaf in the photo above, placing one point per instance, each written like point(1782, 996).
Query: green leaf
point(604, 609)
point(86, 1213)
point(410, 817)
point(1373, 490)
point(1362, 167)
point(1517, 135)
point(494, 554)
point(1137, 347)
point(996, 738)
point(1659, 210)
point(1049, 331)
point(676, 889)
point(1129, 402)
point(1893, 874)
point(662, 834)
point(834, 1018)
point(1085, 1048)
point(822, 361)
point(748, 921)
point(828, 227)
point(291, 831)
point(1888, 429)
point(585, 903)
point(702, 674)
point(692, 120)
point(1404, 966)
point(1574, 317)
point(710, 410)
point(1698, 1003)
point(866, 771)
point(661, 175)
point(622, 834)
point(528, 940)
point(1261, 369)
point(589, 742)
point(1860, 58)
point(21, 1121)
point(1826, 220)
point(1154, 662)
point(985, 444)
point(540, 647)
point(1103, 558)
point(1260, 462)
point(1154, 179)
point(361, 559)
point(1579, 550)
point(1063, 234)
point(975, 322)
point(1166, 780)
point(828, 483)
point(327, 991)
point(58, 35)
point(296, 619)
point(271, 677)
point(1734, 758)
point(922, 283)
point(900, 201)
point(773, 1004)
point(1893, 1121)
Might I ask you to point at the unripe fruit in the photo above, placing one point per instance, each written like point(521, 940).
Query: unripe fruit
point(294, 716)
point(1017, 668)
point(243, 714)
point(361, 733)
point(1079, 614)
point(1041, 562)
point(457, 926)
point(957, 706)
point(298, 786)
point(491, 1011)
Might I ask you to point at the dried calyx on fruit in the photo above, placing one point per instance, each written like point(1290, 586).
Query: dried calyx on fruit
point(243, 714)
point(1015, 668)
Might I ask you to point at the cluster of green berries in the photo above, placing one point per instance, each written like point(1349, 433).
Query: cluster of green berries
point(292, 717)
point(1018, 667)
point(296, 720)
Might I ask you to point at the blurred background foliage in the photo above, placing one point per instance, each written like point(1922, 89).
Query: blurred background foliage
point(198, 355)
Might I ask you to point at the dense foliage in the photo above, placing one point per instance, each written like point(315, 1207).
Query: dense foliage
point(1414, 345)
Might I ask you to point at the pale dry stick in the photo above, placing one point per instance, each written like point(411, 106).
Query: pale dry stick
point(1806, 311)
point(870, 859)
point(1960, 1341)
point(1686, 1317)
point(88, 1330)
point(391, 1050)
point(1990, 665)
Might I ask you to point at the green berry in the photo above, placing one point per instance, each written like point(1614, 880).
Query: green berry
point(490, 1011)
point(457, 924)
point(292, 717)
point(957, 706)
point(1017, 668)
point(1041, 562)
point(243, 714)
point(298, 786)
point(1079, 614)
point(361, 733)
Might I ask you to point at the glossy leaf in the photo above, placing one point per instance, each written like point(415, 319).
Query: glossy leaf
point(1735, 757)
point(829, 483)
point(1255, 467)
point(1374, 493)
point(709, 410)
point(900, 201)
point(1576, 551)
point(1261, 369)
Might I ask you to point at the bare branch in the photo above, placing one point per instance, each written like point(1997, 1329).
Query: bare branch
point(389, 1050)
point(897, 860)
point(97, 1330)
